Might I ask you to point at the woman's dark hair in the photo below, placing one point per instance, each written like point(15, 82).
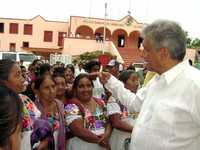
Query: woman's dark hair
point(35, 62)
point(40, 80)
point(71, 67)
point(125, 75)
point(68, 94)
point(42, 69)
point(58, 74)
point(22, 67)
point(59, 70)
point(10, 114)
point(37, 83)
point(78, 78)
point(131, 67)
point(5, 68)
point(91, 64)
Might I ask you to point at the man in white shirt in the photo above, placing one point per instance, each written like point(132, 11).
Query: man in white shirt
point(79, 69)
point(98, 89)
point(169, 105)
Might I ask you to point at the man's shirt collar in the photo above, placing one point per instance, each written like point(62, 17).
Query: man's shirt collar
point(172, 73)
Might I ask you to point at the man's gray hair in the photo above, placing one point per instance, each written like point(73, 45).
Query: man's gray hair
point(167, 34)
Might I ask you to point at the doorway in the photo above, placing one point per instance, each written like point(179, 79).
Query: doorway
point(121, 41)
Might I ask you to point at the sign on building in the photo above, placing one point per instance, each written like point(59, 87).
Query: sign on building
point(66, 59)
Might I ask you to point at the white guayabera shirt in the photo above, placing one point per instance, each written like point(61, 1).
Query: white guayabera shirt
point(169, 108)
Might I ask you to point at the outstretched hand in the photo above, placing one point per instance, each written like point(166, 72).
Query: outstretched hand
point(103, 76)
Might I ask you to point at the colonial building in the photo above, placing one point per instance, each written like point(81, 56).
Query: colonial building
point(79, 35)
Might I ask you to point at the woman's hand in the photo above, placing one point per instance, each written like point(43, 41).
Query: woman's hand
point(104, 142)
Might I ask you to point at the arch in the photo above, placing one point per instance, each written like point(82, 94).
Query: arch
point(117, 34)
point(133, 39)
point(84, 31)
point(134, 33)
point(101, 31)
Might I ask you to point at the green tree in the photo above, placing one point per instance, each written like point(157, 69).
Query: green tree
point(195, 43)
point(188, 40)
point(192, 43)
point(91, 55)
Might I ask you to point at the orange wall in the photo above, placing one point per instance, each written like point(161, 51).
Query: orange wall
point(37, 37)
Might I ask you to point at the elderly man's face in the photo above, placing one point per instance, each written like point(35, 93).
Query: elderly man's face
point(151, 56)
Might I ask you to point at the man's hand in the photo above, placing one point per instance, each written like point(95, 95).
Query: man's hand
point(103, 76)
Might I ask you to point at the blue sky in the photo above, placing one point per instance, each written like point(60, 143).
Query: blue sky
point(186, 12)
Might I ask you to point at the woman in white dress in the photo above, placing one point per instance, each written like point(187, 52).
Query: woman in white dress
point(86, 118)
point(121, 119)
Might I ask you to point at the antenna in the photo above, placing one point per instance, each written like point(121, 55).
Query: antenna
point(129, 9)
point(90, 8)
point(130, 19)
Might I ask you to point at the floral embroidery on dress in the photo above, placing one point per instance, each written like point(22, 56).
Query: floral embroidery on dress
point(53, 118)
point(95, 122)
point(28, 113)
point(126, 113)
point(72, 109)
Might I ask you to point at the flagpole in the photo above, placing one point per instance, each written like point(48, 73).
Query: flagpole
point(104, 30)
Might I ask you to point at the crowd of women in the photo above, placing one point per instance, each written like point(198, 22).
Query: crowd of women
point(56, 108)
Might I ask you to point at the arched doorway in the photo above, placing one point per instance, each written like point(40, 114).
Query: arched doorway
point(84, 31)
point(119, 38)
point(100, 31)
point(133, 39)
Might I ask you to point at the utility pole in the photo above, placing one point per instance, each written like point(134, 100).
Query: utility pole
point(104, 31)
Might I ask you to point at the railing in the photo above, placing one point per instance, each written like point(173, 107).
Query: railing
point(76, 46)
point(115, 52)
